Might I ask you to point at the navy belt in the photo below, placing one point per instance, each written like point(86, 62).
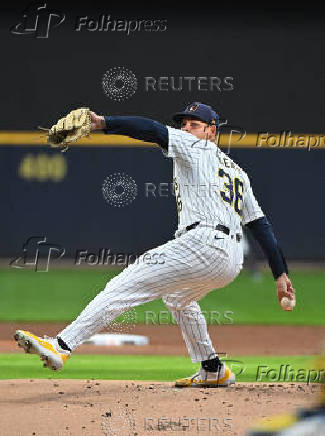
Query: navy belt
point(220, 227)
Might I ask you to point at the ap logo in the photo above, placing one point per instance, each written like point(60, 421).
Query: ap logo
point(38, 21)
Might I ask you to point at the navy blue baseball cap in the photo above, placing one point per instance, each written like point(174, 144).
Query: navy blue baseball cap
point(198, 111)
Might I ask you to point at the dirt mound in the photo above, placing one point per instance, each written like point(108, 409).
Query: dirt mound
point(106, 408)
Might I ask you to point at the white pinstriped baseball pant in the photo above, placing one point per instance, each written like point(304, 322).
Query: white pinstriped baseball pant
point(180, 272)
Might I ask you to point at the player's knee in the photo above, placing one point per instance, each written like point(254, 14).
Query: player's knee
point(176, 305)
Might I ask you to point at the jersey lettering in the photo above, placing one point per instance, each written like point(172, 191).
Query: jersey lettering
point(233, 191)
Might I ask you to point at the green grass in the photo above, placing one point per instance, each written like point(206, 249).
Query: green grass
point(60, 295)
point(153, 368)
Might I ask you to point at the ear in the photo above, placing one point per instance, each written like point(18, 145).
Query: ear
point(213, 130)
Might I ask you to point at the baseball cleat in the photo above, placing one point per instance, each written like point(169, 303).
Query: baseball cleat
point(208, 379)
point(48, 349)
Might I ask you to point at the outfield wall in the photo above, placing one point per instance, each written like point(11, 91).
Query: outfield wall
point(60, 196)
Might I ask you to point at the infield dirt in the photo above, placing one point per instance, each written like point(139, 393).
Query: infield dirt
point(106, 408)
point(167, 340)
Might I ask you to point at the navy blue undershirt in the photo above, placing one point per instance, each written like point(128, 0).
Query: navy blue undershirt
point(263, 233)
point(138, 128)
point(149, 130)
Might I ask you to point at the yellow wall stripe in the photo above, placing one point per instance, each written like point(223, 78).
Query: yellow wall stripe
point(251, 140)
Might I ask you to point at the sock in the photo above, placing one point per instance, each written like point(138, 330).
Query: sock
point(63, 345)
point(212, 365)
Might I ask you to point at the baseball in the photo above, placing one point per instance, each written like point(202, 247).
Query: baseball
point(287, 304)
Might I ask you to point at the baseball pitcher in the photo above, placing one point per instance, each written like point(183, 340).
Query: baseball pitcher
point(214, 200)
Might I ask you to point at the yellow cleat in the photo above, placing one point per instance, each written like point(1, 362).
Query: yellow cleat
point(205, 379)
point(47, 348)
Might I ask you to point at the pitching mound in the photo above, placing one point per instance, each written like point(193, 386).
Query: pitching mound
point(105, 408)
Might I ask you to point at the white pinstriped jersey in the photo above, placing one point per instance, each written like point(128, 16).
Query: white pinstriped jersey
point(212, 189)
point(209, 186)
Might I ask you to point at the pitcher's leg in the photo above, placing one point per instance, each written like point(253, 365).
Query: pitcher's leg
point(120, 294)
point(212, 372)
point(194, 330)
point(137, 284)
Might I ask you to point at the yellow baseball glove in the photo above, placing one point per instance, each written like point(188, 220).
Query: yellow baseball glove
point(72, 127)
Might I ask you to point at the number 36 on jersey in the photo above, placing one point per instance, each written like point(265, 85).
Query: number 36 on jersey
point(232, 192)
